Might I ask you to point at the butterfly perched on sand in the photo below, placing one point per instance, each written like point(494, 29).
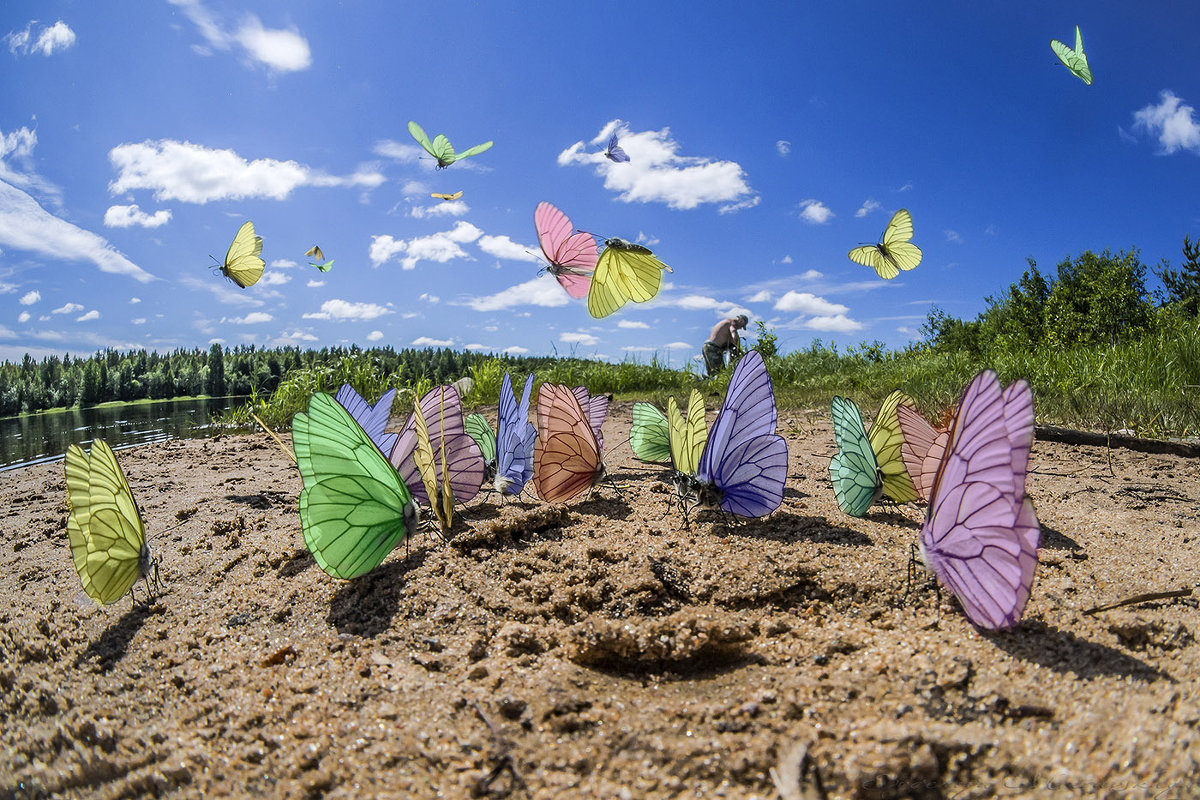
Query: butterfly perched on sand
point(316, 252)
point(354, 507)
point(981, 534)
point(624, 272)
point(614, 151)
point(441, 149)
point(923, 448)
point(461, 462)
point(649, 435)
point(566, 460)
point(1074, 60)
point(479, 429)
point(446, 197)
point(869, 464)
point(744, 464)
point(515, 438)
point(895, 250)
point(104, 526)
point(242, 264)
point(572, 255)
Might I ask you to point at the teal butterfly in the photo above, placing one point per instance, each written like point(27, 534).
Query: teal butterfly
point(854, 471)
point(354, 507)
point(649, 436)
point(441, 149)
point(478, 428)
point(1074, 60)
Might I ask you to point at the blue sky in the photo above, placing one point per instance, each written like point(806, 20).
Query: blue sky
point(766, 141)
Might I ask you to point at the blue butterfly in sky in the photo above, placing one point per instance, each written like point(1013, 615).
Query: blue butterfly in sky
point(614, 151)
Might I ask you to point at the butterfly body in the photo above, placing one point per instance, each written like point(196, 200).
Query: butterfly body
point(441, 149)
point(895, 251)
point(243, 265)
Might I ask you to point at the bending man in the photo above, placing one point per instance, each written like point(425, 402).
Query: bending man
point(724, 337)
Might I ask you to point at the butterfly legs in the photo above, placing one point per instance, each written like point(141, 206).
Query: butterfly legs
point(916, 571)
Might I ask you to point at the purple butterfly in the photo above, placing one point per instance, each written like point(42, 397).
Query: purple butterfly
point(463, 456)
point(744, 464)
point(981, 534)
point(372, 418)
point(595, 409)
point(515, 436)
point(614, 151)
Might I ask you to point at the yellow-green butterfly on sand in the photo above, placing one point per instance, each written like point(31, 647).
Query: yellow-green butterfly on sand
point(243, 265)
point(625, 271)
point(895, 250)
point(441, 149)
point(1074, 60)
point(104, 527)
point(315, 252)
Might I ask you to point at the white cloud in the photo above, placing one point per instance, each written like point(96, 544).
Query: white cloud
point(1172, 122)
point(278, 49)
point(425, 341)
point(133, 300)
point(815, 211)
point(69, 308)
point(783, 147)
point(453, 208)
point(429, 298)
point(29, 298)
point(540, 291)
point(138, 321)
point(439, 247)
point(579, 337)
point(476, 346)
point(699, 302)
point(952, 236)
point(343, 310)
point(679, 346)
point(314, 283)
point(786, 260)
point(49, 40)
point(812, 275)
point(516, 350)
point(406, 153)
point(89, 316)
point(374, 336)
point(293, 338)
point(282, 263)
point(253, 318)
point(222, 289)
point(868, 206)
point(18, 147)
point(761, 296)
point(25, 225)
point(656, 173)
point(837, 323)
point(630, 323)
point(808, 303)
point(128, 216)
point(274, 278)
point(23, 316)
point(193, 173)
point(505, 248)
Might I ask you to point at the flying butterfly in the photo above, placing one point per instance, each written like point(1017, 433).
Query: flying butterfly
point(447, 197)
point(1074, 60)
point(104, 526)
point(615, 152)
point(354, 507)
point(624, 272)
point(566, 459)
point(981, 534)
point(315, 252)
point(572, 255)
point(242, 264)
point(895, 251)
point(441, 149)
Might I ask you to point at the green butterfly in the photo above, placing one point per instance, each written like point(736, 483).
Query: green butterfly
point(354, 507)
point(104, 527)
point(857, 479)
point(1074, 60)
point(480, 430)
point(441, 149)
point(649, 436)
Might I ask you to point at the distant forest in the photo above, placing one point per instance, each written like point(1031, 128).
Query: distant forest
point(55, 382)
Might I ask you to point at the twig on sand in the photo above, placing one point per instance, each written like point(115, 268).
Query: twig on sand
point(1141, 598)
point(798, 777)
point(503, 760)
point(275, 436)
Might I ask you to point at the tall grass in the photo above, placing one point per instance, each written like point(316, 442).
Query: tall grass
point(1150, 386)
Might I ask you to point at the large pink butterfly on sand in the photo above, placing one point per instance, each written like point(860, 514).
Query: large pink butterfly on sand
point(572, 256)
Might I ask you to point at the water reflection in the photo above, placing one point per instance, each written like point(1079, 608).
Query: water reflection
point(32, 439)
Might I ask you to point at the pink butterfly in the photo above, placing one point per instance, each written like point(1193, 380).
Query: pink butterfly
point(923, 448)
point(981, 534)
point(572, 256)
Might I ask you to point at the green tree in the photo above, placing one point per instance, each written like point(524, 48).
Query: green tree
point(1098, 299)
point(216, 371)
point(1182, 286)
point(1017, 319)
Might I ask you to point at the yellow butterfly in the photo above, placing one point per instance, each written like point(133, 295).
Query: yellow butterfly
point(887, 441)
point(624, 272)
point(687, 436)
point(104, 527)
point(242, 264)
point(441, 500)
point(440, 196)
point(894, 252)
point(315, 252)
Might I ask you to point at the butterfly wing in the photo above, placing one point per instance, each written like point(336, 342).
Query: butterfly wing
point(623, 275)
point(1074, 60)
point(478, 428)
point(418, 133)
point(439, 196)
point(615, 152)
point(869, 255)
point(922, 449)
point(243, 265)
point(744, 460)
point(354, 508)
point(649, 436)
point(325, 267)
point(595, 409)
point(693, 436)
point(371, 418)
point(981, 533)
point(315, 252)
point(426, 464)
point(474, 151)
point(572, 256)
point(887, 441)
point(566, 457)
point(514, 466)
point(898, 249)
point(857, 481)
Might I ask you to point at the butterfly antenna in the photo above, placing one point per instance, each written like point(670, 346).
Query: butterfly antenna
point(286, 450)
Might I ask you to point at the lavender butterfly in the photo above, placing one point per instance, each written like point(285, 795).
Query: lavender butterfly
point(515, 436)
point(595, 409)
point(981, 534)
point(744, 464)
point(371, 418)
point(463, 456)
point(614, 151)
